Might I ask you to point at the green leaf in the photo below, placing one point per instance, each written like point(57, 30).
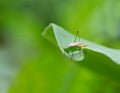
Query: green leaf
point(100, 59)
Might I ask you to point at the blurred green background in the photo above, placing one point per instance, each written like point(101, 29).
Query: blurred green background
point(30, 64)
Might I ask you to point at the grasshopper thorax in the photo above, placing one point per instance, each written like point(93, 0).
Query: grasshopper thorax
point(72, 47)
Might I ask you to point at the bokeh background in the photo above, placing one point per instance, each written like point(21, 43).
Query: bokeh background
point(31, 64)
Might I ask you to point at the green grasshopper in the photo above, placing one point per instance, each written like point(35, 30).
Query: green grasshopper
point(74, 46)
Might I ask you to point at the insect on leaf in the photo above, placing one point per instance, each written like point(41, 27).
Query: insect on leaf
point(96, 57)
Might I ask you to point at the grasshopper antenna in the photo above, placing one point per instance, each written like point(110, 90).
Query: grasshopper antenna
point(77, 35)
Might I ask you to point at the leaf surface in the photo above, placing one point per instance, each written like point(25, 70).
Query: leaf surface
point(103, 60)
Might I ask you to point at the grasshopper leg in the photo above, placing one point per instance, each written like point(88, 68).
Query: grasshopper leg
point(72, 56)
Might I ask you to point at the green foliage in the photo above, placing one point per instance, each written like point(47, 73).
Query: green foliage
point(30, 64)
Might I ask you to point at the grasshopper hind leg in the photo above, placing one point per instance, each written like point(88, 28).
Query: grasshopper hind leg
point(72, 56)
point(81, 52)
